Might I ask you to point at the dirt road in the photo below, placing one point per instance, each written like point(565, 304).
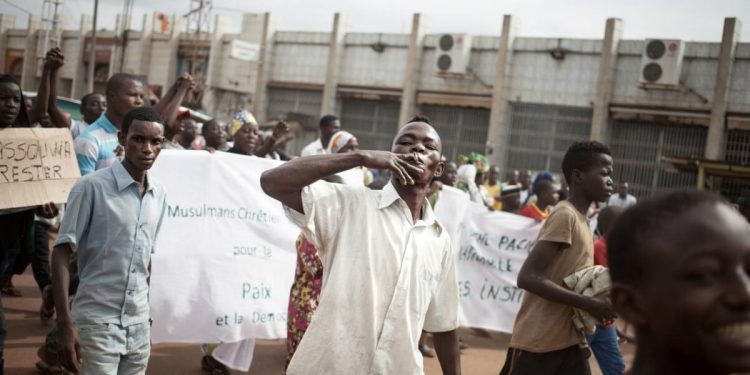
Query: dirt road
point(26, 333)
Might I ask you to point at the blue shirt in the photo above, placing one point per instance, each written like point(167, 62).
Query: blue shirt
point(95, 146)
point(113, 231)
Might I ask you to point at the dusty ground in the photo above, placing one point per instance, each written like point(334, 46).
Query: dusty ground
point(26, 333)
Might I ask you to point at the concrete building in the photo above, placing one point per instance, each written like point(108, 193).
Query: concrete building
point(521, 100)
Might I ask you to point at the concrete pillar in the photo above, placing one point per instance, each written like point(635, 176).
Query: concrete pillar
point(7, 22)
point(411, 78)
point(214, 59)
point(498, 132)
point(263, 70)
point(328, 104)
point(30, 63)
point(80, 86)
point(146, 45)
point(605, 81)
point(715, 142)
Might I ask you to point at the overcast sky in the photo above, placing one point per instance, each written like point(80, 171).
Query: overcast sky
point(699, 20)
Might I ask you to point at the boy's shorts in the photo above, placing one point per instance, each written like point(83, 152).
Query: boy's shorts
point(569, 361)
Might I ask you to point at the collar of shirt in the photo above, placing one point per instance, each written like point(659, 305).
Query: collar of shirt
point(107, 125)
point(124, 179)
point(389, 195)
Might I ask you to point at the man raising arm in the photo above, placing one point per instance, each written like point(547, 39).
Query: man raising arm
point(388, 265)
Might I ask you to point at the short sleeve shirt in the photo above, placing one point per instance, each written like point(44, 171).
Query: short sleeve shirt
point(112, 229)
point(314, 148)
point(542, 325)
point(77, 127)
point(616, 201)
point(95, 146)
point(386, 278)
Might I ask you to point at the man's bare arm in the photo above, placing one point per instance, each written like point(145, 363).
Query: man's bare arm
point(56, 116)
point(285, 182)
point(448, 352)
point(167, 107)
point(533, 279)
point(279, 131)
point(70, 348)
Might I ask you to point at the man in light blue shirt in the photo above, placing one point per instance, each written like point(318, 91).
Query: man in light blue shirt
point(111, 224)
point(96, 146)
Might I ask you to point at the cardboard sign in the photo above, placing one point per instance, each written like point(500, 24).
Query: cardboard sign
point(36, 166)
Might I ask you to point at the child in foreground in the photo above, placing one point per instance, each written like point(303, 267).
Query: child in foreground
point(680, 267)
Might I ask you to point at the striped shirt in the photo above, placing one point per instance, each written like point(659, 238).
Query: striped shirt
point(77, 127)
point(95, 146)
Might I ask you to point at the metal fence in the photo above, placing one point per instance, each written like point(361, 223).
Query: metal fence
point(282, 102)
point(737, 151)
point(373, 122)
point(462, 129)
point(302, 106)
point(738, 146)
point(540, 134)
point(638, 149)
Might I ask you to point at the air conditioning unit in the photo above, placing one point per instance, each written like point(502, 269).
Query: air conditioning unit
point(661, 62)
point(453, 51)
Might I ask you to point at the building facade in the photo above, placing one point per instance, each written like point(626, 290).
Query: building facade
point(521, 100)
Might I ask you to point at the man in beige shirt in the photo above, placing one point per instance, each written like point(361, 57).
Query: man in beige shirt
point(544, 340)
point(388, 269)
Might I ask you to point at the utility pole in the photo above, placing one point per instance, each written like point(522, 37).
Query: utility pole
point(194, 62)
point(127, 13)
point(50, 23)
point(197, 12)
point(92, 54)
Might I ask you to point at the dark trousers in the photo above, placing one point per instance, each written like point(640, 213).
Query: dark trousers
point(15, 230)
point(40, 257)
point(36, 255)
point(572, 360)
point(2, 336)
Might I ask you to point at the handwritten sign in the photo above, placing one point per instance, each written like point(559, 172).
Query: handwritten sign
point(490, 248)
point(225, 257)
point(36, 166)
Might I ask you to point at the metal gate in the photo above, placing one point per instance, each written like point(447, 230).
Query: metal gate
point(302, 106)
point(738, 146)
point(737, 151)
point(373, 122)
point(462, 129)
point(282, 102)
point(541, 134)
point(638, 148)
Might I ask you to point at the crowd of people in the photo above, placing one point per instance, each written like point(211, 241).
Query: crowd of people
point(679, 262)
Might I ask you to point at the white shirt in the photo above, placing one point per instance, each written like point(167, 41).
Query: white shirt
point(77, 127)
point(616, 201)
point(314, 148)
point(385, 279)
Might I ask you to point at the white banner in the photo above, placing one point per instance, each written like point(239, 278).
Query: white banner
point(490, 249)
point(225, 256)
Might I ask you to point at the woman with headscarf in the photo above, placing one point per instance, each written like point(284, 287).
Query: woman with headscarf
point(247, 138)
point(343, 142)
